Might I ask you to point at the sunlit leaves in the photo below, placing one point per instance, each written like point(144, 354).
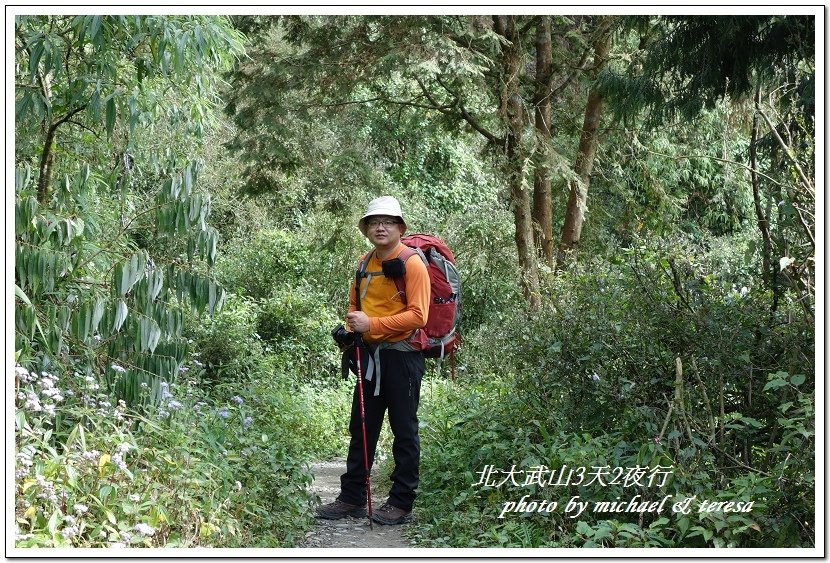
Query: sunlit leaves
point(102, 63)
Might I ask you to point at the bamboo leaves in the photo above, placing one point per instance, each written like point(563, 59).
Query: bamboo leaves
point(148, 334)
point(86, 319)
point(181, 212)
point(87, 281)
point(110, 114)
point(80, 56)
point(131, 309)
point(127, 273)
point(120, 315)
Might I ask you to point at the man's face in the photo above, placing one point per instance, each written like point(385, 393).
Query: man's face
point(382, 230)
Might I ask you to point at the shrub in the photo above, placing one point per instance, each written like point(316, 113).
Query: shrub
point(267, 259)
point(296, 325)
point(187, 472)
point(661, 355)
point(227, 342)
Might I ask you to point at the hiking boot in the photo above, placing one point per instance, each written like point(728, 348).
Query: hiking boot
point(339, 509)
point(391, 515)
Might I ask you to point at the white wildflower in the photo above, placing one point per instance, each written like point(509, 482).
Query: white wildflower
point(174, 405)
point(33, 403)
point(22, 374)
point(144, 529)
point(118, 461)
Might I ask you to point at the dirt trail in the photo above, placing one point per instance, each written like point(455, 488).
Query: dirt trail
point(348, 532)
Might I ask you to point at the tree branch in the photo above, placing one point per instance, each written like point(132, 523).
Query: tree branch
point(442, 108)
point(530, 23)
point(46, 158)
point(469, 118)
point(807, 183)
point(82, 126)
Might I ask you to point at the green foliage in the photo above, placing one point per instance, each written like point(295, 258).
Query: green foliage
point(589, 381)
point(692, 62)
point(96, 288)
point(227, 342)
point(194, 471)
point(490, 274)
point(288, 407)
point(681, 178)
point(113, 66)
point(295, 324)
point(99, 296)
point(264, 261)
point(287, 315)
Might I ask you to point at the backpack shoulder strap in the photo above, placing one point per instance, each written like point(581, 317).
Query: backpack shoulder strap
point(407, 253)
point(359, 274)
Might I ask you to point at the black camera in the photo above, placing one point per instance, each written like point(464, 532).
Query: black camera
point(343, 337)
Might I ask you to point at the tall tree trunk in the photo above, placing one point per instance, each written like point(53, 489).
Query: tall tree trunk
point(542, 206)
point(577, 199)
point(763, 221)
point(511, 108)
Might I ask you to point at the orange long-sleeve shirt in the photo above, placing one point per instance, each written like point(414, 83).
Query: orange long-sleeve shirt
point(390, 319)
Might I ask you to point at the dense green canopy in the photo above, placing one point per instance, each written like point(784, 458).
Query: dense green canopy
point(631, 201)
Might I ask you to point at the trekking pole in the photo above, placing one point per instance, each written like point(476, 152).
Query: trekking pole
point(358, 343)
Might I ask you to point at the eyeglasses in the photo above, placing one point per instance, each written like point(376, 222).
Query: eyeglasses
point(375, 223)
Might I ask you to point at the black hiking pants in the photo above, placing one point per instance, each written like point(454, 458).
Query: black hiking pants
point(400, 390)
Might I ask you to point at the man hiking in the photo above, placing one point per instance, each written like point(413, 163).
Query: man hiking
point(381, 319)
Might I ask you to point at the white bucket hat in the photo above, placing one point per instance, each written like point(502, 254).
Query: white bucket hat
point(384, 205)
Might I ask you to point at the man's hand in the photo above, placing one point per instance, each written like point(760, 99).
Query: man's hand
point(358, 321)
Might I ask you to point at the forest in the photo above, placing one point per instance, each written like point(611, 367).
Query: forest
point(631, 202)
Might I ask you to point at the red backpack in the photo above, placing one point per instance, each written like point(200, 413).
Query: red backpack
point(440, 335)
